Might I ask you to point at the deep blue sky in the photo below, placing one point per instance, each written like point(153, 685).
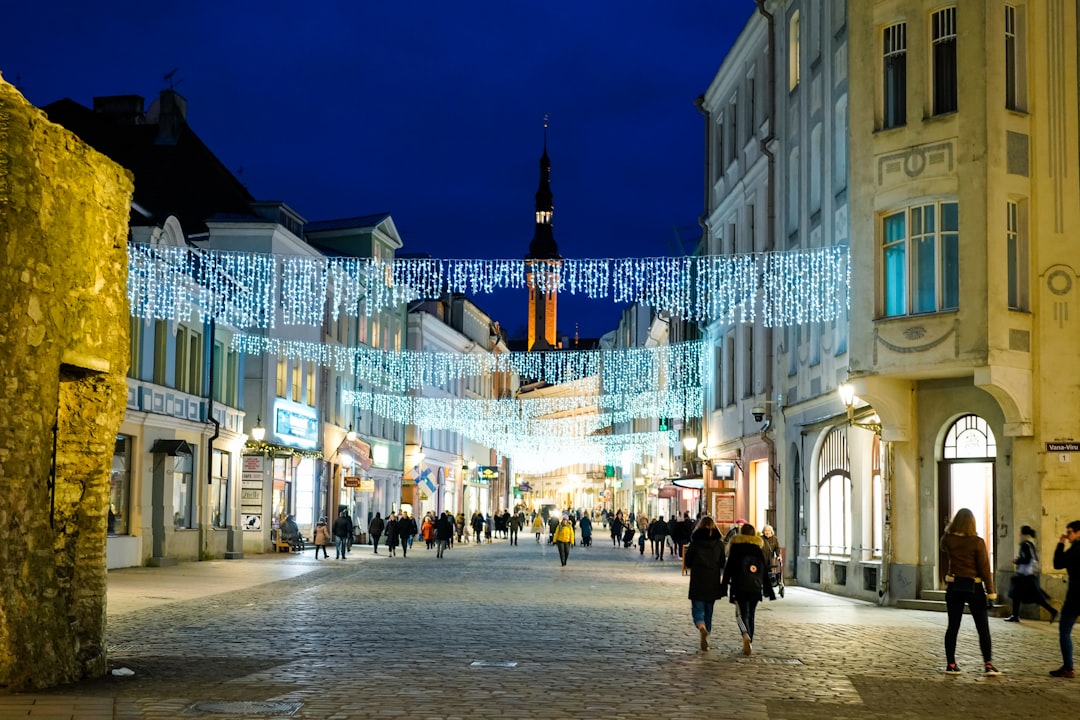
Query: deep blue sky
point(432, 111)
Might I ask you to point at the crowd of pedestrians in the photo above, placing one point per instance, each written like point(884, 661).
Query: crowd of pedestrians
point(742, 565)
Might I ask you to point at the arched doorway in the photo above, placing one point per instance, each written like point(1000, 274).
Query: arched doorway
point(966, 478)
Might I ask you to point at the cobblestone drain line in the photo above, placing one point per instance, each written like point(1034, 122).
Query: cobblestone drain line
point(394, 637)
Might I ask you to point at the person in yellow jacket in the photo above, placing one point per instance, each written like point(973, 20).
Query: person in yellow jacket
point(564, 539)
point(538, 526)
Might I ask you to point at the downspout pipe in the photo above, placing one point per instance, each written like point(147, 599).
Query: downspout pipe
point(210, 444)
point(770, 228)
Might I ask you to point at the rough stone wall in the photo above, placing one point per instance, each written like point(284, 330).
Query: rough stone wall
point(63, 357)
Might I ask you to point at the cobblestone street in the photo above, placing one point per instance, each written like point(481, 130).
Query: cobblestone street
point(497, 631)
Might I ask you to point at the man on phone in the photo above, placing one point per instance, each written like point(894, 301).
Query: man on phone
point(1068, 558)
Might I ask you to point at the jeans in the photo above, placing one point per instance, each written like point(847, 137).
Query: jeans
point(1065, 627)
point(701, 612)
point(564, 551)
point(513, 536)
point(441, 545)
point(746, 612)
point(341, 546)
point(375, 541)
point(955, 600)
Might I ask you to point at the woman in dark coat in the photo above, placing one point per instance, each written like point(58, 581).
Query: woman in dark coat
point(746, 573)
point(705, 559)
point(392, 534)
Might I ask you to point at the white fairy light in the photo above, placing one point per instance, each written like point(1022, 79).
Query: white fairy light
point(245, 289)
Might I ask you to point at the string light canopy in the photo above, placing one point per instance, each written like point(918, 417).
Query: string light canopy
point(621, 370)
point(258, 290)
point(562, 417)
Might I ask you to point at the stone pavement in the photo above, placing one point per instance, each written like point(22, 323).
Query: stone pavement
point(495, 631)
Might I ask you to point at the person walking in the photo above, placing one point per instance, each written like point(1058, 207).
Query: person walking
point(406, 529)
point(538, 526)
point(460, 527)
point(615, 524)
point(586, 530)
point(1024, 587)
point(658, 530)
point(1068, 559)
point(392, 534)
point(746, 575)
point(564, 539)
point(444, 533)
point(477, 525)
point(969, 583)
point(342, 529)
point(427, 531)
point(321, 536)
point(375, 530)
point(704, 557)
point(513, 525)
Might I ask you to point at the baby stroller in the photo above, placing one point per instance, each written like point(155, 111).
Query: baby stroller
point(628, 537)
point(586, 540)
point(776, 574)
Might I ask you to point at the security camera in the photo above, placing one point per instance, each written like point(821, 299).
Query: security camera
point(758, 411)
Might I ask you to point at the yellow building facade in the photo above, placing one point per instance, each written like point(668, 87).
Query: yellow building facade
point(965, 227)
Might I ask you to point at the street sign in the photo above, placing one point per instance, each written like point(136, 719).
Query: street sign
point(1060, 446)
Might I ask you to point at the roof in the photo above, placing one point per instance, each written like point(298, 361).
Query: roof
point(353, 223)
point(182, 178)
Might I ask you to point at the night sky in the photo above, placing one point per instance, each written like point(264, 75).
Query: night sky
point(431, 111)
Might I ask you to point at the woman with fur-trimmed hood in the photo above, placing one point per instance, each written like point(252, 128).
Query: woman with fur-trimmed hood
point(747, 574)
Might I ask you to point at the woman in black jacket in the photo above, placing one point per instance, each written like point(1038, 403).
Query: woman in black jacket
point(746, 573)
point(705, 559)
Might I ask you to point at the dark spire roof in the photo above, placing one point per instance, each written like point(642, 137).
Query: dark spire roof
point(543, 245)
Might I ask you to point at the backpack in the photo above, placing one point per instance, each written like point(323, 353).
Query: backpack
point(750, 576)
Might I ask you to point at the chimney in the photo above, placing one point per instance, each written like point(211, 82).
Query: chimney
point(171, 117)
point(123, 109)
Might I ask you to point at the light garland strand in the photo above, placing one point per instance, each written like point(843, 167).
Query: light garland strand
point(246, 290)
point(622, 370)
point(527, 416)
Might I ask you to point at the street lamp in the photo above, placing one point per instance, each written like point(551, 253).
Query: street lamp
point(846, 391)
point(258, 433)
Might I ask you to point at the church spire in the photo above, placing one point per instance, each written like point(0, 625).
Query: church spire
point(543, 245)
point(543, 263)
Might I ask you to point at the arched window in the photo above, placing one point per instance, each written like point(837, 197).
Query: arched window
point(970, 437)
point(834, 495)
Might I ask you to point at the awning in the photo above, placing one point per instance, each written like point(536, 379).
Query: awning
point(172, 447)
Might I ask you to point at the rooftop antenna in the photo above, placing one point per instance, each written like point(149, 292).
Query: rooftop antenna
point(169, 78)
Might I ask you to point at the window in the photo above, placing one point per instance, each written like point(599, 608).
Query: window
point(282, 378)
point(748, 361)
point(840, 144)
point(297, 384)
point(793, 51)
point(894, 85)
point(943, 42)
point(920, 259)
point(793, 190)
point(718, 373)
point(181, 490)
point(220, 372)
point(1015, 52)
point(189, 361)
point(815, 180)
point(161, 349)
point(729, 370)
point(1016, 247)
point(751, 104)
point(219, 489)
point(310, 384)
point(834, 496)
point(720, 157)
point(120, 487)
point(135, 348)
point(736, 141)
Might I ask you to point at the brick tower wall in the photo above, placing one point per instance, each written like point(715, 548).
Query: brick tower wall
point(64, 355)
